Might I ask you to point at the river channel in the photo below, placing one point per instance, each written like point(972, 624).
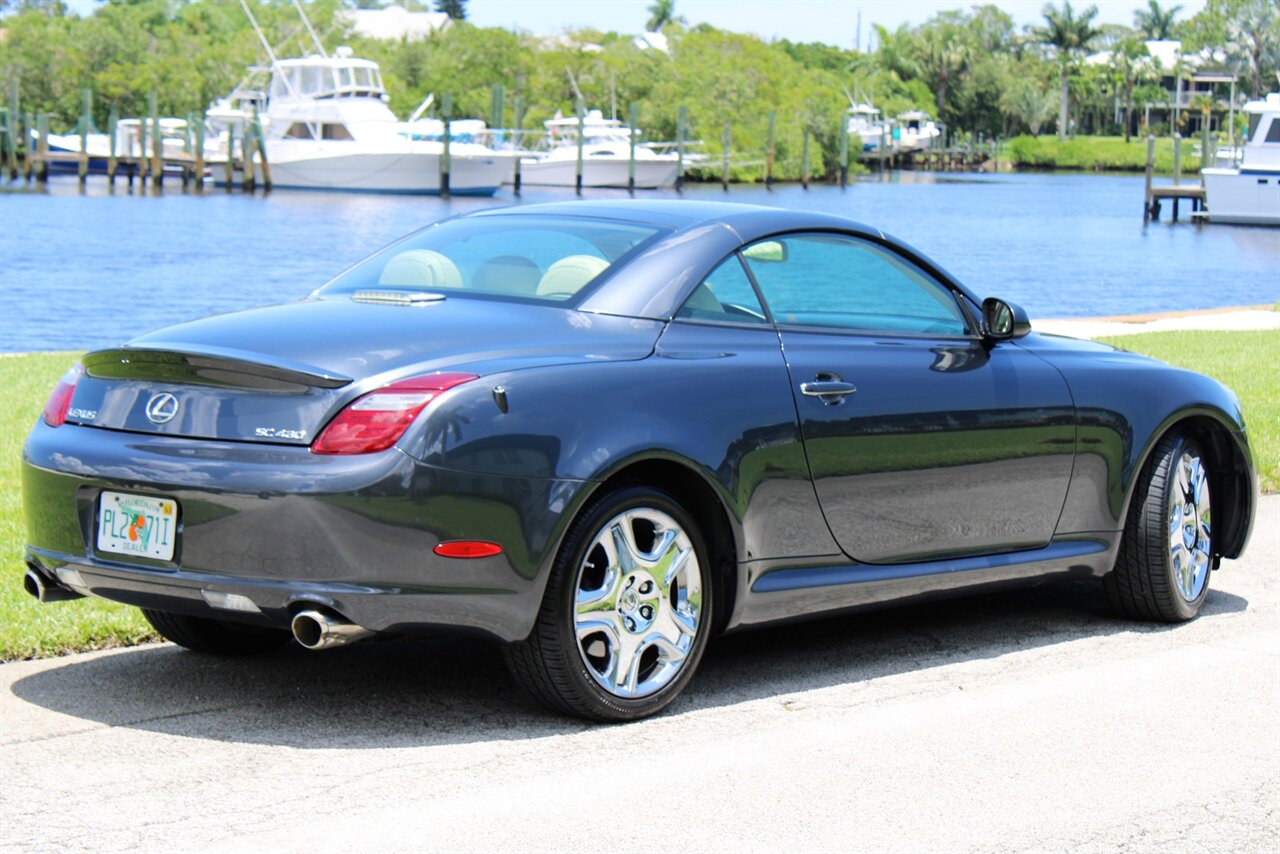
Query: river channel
point(83, 270)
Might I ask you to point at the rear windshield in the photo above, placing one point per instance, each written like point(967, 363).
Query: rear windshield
point(551, 259)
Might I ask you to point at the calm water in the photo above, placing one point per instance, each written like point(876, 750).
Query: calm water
point(80, 271)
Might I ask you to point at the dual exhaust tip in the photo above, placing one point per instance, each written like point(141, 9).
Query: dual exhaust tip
point(312, 628)
point(318, 630)
point(41, 588)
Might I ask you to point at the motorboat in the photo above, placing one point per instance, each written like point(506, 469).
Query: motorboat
point(915, 131)
point(606, 156)
point(865, 123)
point(1250, 193)
point(326, 126)
point(133, 139)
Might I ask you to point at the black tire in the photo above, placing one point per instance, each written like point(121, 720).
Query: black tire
point(553, 667)
point(1145, 584)
point(215, 637)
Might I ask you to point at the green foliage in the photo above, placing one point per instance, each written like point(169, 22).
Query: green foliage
point(1096, 154)
point(1155, 22)
point(971, 69)
point(455, 9)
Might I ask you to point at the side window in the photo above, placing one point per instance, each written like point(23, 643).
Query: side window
point(725, 295)
point(837, 281)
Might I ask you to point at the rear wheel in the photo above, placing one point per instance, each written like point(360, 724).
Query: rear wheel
point(1162, 571)
point(215, 637)
point(627, 610)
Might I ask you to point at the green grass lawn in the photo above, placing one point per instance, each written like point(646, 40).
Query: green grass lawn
point(1244, 360)
point(29, 629)
point(1097, 153)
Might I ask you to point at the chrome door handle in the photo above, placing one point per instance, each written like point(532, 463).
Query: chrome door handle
point(827, 388)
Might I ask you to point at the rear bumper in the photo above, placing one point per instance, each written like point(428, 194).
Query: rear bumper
point(287, 529)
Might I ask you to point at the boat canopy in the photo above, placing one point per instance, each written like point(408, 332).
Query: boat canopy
point(325, 77)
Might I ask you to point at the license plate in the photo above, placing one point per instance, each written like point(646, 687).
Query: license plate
point(137, 525)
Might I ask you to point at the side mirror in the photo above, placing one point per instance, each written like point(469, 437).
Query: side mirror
point(1003, 320)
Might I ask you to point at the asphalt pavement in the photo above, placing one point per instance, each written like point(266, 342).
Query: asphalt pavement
point(1030, 719)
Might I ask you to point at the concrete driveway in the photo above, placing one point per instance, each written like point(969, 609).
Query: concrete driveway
point(1030, 719)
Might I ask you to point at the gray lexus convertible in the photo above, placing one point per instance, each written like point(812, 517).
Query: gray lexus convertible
point(601, 433)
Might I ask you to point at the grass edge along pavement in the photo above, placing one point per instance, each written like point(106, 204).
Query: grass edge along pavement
point(29, 629)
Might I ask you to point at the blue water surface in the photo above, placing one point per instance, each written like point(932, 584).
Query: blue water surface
point(94, 269)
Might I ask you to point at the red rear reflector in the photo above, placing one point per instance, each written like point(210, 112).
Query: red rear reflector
point(468, 549)
point(377, 420)
point(55, 410)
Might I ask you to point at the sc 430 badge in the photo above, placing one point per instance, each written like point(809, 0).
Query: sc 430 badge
point(279, 433)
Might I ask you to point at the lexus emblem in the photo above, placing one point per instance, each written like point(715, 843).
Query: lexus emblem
point(161, 408)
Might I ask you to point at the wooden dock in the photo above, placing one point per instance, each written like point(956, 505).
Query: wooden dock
point(1173, 193)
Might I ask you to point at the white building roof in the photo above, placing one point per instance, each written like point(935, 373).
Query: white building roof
point(396, 22)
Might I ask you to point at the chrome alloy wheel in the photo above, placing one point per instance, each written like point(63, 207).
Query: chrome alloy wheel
point(639, 603)
point(1189, 526)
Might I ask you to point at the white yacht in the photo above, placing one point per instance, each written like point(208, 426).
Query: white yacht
point(916, 131)
point(1250, 193)
point(606, 152)
point(327, 127)
point(865, 123)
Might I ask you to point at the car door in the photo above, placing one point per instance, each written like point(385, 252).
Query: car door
point(923, 440)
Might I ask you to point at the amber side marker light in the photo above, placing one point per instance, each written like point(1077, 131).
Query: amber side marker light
point(468, 549)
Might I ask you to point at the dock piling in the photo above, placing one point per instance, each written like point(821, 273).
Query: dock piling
point(86, 119)
point(682, 125)
point(15, 129)
point(228, 165)
point(1177, 157)
point(42, 147)
point(633, 117)
point(260, 143)
point(804, 160)
point(725, 142)
point(582, 128)
point(843, 132)
point(518, 108)
point(28, 140)
point(769, 150)
point(113, 121)
point(199, 153)
point(157, 143)
point(446, 163)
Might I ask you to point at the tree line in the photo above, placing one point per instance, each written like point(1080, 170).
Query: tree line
point(975, 69)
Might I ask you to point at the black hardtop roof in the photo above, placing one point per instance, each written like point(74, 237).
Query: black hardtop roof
point(748, 220)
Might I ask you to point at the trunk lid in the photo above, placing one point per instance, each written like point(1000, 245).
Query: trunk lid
point(278, 374)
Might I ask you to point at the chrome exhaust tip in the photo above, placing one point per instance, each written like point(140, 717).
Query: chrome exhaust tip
point(317, 630)
point(44, 590)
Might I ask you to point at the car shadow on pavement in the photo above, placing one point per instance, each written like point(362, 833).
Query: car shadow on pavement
point(409, 693)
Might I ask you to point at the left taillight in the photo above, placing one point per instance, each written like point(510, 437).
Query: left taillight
point(55, 410)
point(377, 420)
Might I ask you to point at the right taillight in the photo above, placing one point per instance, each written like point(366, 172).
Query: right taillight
point(377, 420)
point(55, 410)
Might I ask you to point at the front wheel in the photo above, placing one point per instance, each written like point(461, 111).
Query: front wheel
point(215, 637)
point(1162, 571)
point(627, 611)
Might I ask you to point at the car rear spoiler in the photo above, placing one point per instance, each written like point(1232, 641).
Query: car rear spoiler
point(210, 366)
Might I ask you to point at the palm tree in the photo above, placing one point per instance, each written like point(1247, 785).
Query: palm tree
point(1154, 22)
point(1131, 65)
point(1069, 35)
point(660, 12)
point(455, 9)
point(944, 56)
